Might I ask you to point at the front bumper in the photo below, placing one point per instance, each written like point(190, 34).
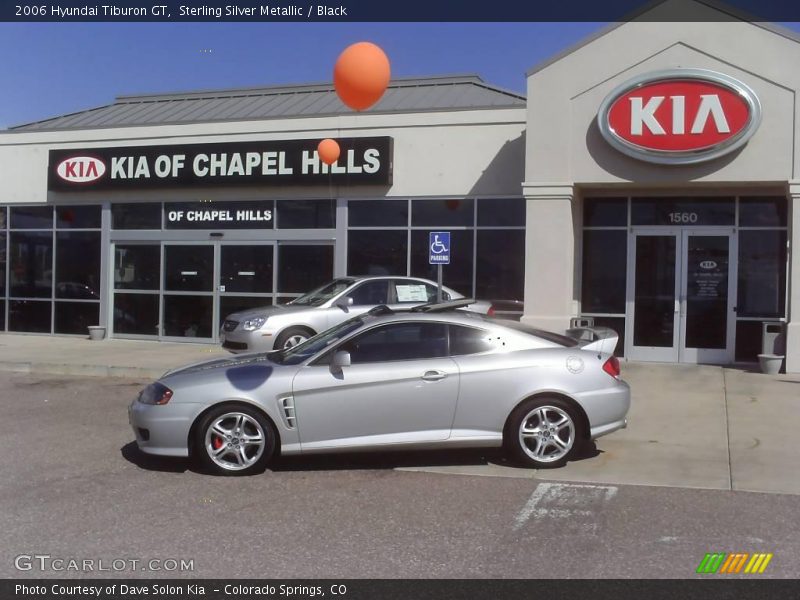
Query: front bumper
point(162, 430)
point(239, 341)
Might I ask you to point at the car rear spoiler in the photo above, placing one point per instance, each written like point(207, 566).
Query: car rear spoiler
point(599, 339)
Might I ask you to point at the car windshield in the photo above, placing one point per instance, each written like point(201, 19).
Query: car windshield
point(322, 294)
point(297, 354)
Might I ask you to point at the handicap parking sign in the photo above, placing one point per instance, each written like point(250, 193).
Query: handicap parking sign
point(439, 248)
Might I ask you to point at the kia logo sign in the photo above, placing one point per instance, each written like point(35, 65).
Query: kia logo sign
point(708, 264)
point(81, 169)
point(679, 116)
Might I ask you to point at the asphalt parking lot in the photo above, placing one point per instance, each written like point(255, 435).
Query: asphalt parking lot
point(76, 487)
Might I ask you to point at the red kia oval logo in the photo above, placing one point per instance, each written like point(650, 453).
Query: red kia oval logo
point(680, 116)
point(81, 169)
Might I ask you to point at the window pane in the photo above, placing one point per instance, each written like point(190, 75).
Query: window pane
point(136, 314)
point(136, 216)
point(604, 267)
point(748, 340)
point(683, 211)
point(32, 217)
point(502, 212)
point(78, 265)
point(466, 340)
point(3, 220)
point(458, 274)
point(377, 252)
point(500, 265)
point(762, 212)
point(188, 268)
point(246, 268)
point(137, 267)
point(303, 268)
point(306, 214)
point(437, 213)
point(402, 341)
point(188, 316)
point(371, 293)
point(2, 264)
point(233, 304)
point(29, 315)
point(605, 212)
point(369, 213)
point(76, 317)
point(219, 214)
point(762, 274)
point(78, 217)
point(31, 268)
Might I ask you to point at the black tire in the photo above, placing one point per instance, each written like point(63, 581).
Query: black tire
point(541, 448)
point(290, 333)
point(247, 461)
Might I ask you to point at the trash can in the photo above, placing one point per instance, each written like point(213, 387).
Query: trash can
point(581, 322)
point(773, 347)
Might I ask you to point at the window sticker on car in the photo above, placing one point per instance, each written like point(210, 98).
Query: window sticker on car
point(411, 293)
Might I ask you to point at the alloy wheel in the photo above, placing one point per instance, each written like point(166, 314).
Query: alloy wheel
point(235, 441)
point(547, 434)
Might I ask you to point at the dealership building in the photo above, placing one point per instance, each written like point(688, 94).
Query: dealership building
point(646, 182)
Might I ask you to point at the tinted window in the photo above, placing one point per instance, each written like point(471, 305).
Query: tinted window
point(466, 340)
point(76, 317)
point(32, 217)
point(683, 211)
point(605, 256)
point(762, 212)
point(78, 265)
point(306, 214)
point(458, 274)
point(605, 212)
point(302, 268)
point(246, 268)
point(3, 217)
point(377, 252)
point(137, 267)
point(136, 216)
point(29, 315)
point(370, 293)
point(188, 268)
point(501, 212)
point(78, 217)
point(370, 213)
point(500, 264)
point(398, 341)
point(136, 314)
point(31, 266)
point(436, 213)
point(762, 273)
point(2, 264)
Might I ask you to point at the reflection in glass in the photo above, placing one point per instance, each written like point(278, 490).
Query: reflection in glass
point(136, 216)
point(78, 265)
point(85, 216)
point(2, 264)
point(605, 212)
point(246, 268)
point(232, 304)
point(304, 267)
point(377, 252)
point(605, 257)
point(501, 212)
point(137, 266)
point(188, 268)
point(381, 213)
point(31, 316)
point(762, 212)
point(31, 217)
point(458, 274)
point(707, 292)
point(76, 317)
point(188, 316)
point(437, 213)
point(31, 265)
point(762, 274)
point(654, 301)
point(500, 264)
point(306, 214)
point(136, 314)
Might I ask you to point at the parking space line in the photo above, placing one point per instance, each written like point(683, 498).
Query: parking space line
point(564, 500)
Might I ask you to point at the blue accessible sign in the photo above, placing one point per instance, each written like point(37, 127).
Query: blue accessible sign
point(439, 248)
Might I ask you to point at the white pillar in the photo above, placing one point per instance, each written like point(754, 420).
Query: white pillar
point(549, 255)
point(793, 283)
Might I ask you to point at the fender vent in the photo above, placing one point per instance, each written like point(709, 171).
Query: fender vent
point(287, 412)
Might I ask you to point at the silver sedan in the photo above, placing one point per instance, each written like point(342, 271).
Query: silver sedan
point(426, 378)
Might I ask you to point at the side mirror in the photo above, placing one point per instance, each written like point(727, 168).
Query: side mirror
point(344, 303)
point(340, 359)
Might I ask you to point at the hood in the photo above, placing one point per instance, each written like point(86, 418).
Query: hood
point(277, 309)
point(222, 363)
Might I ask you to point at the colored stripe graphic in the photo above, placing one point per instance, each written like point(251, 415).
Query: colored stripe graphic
point(734, 562)
point(758, 564)
point(721, 562)
point(711, 562)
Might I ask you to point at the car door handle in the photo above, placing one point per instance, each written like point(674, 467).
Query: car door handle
point(433, 375)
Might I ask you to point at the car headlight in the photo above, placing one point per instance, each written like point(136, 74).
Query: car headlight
point(254, 323)
point(155, 393)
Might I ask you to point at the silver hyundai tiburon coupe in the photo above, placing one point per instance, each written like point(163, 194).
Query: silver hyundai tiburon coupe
point(424, 378)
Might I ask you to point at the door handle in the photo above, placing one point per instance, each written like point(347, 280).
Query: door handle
point(433, 376)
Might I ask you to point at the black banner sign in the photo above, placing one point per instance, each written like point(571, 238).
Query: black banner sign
point(366, 160)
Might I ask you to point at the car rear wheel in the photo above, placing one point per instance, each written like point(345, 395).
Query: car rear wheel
point(543, 433)
point(234, 440)
point(291, 337)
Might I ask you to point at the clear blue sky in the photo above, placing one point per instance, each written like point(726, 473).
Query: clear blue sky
point(50, 69)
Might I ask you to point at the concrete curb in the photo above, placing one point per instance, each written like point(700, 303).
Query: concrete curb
point(42, 368)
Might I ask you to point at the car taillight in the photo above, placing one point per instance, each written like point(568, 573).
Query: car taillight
point(611, 366)
point(490, 312)
point(155, 393)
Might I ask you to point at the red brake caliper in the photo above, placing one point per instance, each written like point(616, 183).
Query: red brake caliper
point(216, 442)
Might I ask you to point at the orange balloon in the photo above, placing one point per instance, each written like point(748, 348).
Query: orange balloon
point(361, 75)
point(328, 151)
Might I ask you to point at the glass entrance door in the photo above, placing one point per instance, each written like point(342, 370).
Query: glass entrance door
point(246, 277)
point(680, 296)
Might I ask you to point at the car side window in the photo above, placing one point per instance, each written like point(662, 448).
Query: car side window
point(398, 341)
point(370, 293)
point(468, 340)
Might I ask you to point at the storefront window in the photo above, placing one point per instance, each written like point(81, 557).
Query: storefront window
point(377, 252)
point(136, 314)
point(31, 217)
point(603, 275)
point(188, 268)
point(762, 273)
point(501, 212)
point(306, 214)
point(3, 219)
point(302, 267)
point(75, 317)
point(223, 214)
point(500, 264)
point(2, 266)
point(762, 212)
point(441, 213)
point(31, 265)
point(605, 212)
point(246, 268)
point(137, 267)
point(78, 265)
point(458, 274)
point(378, 213)
point(78, 217)
point(29, 315)
point(188, 316)
point(682, 211)
point(136, 216)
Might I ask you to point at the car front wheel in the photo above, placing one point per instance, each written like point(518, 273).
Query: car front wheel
point(234, 440)
point(292, 337)
point(543, 433)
